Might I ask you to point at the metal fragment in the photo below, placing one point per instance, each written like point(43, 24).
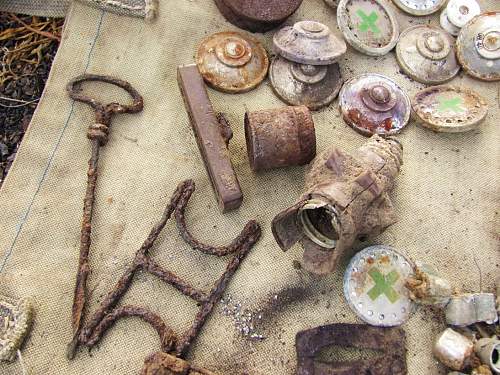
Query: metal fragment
point(161, 363)
point(16, 318)
point(374, 104)
point(420, 7)
point(257, 15)
point(232, 62)
point(427, 54)
point(98, 134)
point(478, 47)
point(427, 287)
point(459, 12)
point(453, 349)
point(466, 309)
point(488, 350)
point(280, 137)
point(450, 109)
point(369, 26)
point(374, 286)
point(309, 42)
point(212, 142)
point(389, 343)
point(346, 197)
point(314, 86)
point(447, 25)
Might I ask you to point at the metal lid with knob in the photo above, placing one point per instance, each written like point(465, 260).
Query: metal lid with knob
point(478, 47)
point(449, 109)
point(314, 86)
point(427, 54)
point(232, 62)
point(369, 26)
point(309, 42)
point(419, 7)
point(374, 104)
point(374, 286)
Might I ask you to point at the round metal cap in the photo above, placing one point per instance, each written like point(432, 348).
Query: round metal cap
point(309, 42)
point(419, 7)
point(232, 62)
point(449, 109)
point(374, 286)
point(478, 47)
point(368, 25)
point(462, 11)
point(427, 54)
point(447, 25)
point(374, 104)
point(314, 86)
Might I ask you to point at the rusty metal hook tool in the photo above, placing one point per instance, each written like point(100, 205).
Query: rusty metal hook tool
point(98, 135)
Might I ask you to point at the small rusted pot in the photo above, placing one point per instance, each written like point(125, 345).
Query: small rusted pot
point(280, 137)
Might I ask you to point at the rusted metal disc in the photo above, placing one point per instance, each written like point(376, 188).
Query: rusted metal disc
point(257, 15)
point(309, 42)
point(460, 12)
point(478, 47)
point(447, 25)
point(427, 54)
point(419, 7)
point(374, 286)
point(449, 109)
point(314, 86)
point(374, 104)
point(232, 62)
point(368, 25)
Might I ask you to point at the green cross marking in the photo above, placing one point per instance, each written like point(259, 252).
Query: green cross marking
point(369, 22)
point(453, 104)
point(383, 285)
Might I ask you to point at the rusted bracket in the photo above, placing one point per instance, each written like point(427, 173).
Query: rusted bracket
point(390, 342)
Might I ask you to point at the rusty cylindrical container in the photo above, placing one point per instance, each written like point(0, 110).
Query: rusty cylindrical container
point(280, 137)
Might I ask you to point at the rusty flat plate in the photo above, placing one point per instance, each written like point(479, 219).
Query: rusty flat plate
point(427, 54)
point(374, 104)
point(232, 62)
point(309, 85)
point(368, 25)
point(419, 7)
point(449, 109)
point(478, 47)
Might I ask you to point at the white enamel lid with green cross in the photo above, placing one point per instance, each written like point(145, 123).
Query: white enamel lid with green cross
point(369, 26)
point(449, 109)
point(374, 286)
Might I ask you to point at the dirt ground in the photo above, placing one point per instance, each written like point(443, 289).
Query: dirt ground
point(27, 48)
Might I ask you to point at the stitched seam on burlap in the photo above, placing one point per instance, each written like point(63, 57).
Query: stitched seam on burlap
point(20, 225)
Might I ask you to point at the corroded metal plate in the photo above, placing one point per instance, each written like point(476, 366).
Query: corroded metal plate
point(419, 7)
point(309, 42)
point(447, 25)
point(309, 85)
point(374, 286)
point(368, 25)
point(232, 62)
point(460, 12)
point(427, 54)
point(478, 47)
point(374, 104)
point(449, 109)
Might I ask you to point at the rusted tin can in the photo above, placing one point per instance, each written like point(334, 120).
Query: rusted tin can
point(257, 15)
point(232, 62)
point(419, 7)
point(453, 349)
point(280, 137)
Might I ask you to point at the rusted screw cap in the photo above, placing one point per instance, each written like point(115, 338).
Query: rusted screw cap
point(280, 137)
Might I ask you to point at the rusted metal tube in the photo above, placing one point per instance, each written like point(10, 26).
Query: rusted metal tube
point(280, 137)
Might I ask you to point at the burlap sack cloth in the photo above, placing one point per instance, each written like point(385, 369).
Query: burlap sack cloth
point(446, 198)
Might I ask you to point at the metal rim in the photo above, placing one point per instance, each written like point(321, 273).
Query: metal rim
point(310, 229)
point(419, 12)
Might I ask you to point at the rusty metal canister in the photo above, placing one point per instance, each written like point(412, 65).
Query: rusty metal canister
point(453, 349)
point(280, 137)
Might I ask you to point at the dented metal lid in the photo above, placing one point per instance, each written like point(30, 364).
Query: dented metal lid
point(314, 86)
point(419, 7)
point(368, 25)
point(374, 104)
point(232, 62)
point(447, 25)
point(478, 47)
point(374, 286)
point(449, 109)
point(427, 54)
point(460, 12)
point(309, 42)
